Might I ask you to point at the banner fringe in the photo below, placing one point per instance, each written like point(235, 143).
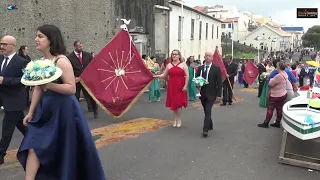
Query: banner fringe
point(107, 110)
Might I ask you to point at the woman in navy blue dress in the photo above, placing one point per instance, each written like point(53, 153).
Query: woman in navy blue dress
point(58, 144)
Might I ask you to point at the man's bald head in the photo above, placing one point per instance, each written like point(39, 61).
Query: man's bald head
point(10, 39)
point(208, 54)
point(208, 57)
point(8, 45)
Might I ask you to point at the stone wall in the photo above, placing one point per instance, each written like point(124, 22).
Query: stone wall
point(92, 22)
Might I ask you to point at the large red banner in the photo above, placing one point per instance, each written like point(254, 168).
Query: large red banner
point(251, 72)
point(117, 76)
point(217, 60)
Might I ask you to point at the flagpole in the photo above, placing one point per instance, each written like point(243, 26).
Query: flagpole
point(182, 19)
point(232, 39)
point(258, 53)
point(258, 39)
point(310, 96)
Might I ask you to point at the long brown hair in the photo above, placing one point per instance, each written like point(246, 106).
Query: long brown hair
point(180, 58)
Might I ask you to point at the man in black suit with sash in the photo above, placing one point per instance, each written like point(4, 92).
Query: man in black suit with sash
point(12, 92)
point(80, 60)
point(232, 70)
point(209, 92)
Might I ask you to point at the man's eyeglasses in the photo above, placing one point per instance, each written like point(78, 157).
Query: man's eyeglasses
point(5, 44)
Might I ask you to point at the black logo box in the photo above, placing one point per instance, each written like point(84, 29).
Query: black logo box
point(307, 12)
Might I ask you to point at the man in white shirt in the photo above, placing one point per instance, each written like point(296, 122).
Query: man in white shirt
point(209, 92)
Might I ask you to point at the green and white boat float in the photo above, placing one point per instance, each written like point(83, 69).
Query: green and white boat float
point(301, 117)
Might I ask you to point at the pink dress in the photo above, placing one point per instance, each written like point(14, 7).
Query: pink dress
point(176, 98)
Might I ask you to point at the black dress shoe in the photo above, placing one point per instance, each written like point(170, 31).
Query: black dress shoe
point(264, 125)
point(95, 114)
point(205, 134)
point(230, 103)
point(223, 104)
point(1, 161)
point(276, 124)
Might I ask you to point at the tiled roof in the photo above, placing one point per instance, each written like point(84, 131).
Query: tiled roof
point(273, 24)
point(292, 28)
point(178, 4)
point(200, 8)
point(276, 28)
point(228, 20)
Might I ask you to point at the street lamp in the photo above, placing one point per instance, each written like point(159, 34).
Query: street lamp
point(258, 38)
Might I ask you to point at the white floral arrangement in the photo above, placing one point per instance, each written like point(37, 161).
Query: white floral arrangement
point(264, 76)
point(200, 81)
point(39, 70)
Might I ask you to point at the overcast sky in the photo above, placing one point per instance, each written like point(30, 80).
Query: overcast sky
point(280, 10)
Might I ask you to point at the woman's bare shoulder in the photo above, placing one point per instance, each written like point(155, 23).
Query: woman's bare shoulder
point(62, 59)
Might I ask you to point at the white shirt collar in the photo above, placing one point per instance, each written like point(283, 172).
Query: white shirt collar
point(76, 53)
point(207, 65)
point(10, 57)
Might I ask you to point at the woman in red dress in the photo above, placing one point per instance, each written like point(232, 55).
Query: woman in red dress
point(177, 96)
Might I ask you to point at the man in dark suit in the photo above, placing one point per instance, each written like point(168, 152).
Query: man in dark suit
point(80, 60)
point(261, 70)
point(12, 92)
point(232, 69)
point(243, 69)
point(301, 74)
point(209, 92)
point(1, 107)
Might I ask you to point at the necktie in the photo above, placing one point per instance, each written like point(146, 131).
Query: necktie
point(205, 72)
point(5, 64)
point(80, 58)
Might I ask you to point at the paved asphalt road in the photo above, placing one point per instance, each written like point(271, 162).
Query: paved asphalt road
point(236, 150)
point(296, 57)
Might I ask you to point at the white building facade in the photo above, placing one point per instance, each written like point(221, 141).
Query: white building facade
point(194, 34)
point(229, 14)
point(226, 11)
point(297, 33)
point(226, 27)
point(240, 27)
point(269, 38)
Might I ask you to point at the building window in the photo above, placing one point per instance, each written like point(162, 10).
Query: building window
point(192, 29)
point(179, 28)
point(207, 29)
point(229, 34)
point(212, 31)
point(217, 32)
point(229, 26)
point(223, 26)
point(200, 30)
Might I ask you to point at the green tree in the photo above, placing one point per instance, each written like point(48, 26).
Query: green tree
point(312, 37)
